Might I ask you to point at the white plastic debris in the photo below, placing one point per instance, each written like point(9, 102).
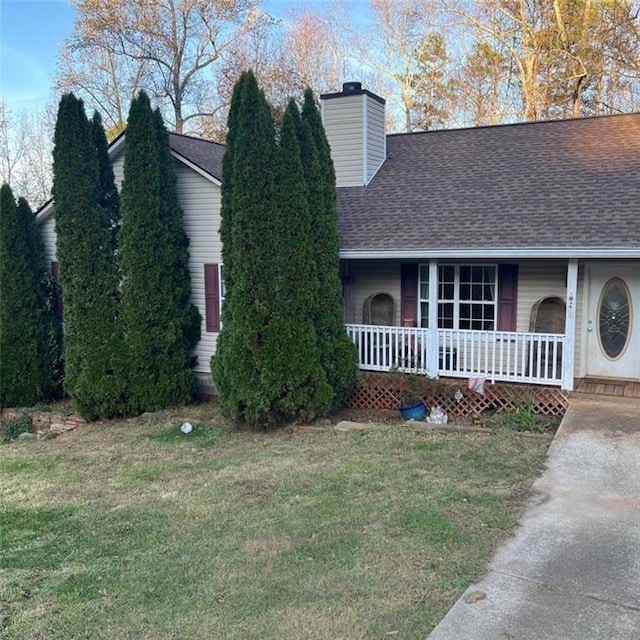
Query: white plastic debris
point(477, 385)
point(186, 427)
point(437, 416)
point(458, 396)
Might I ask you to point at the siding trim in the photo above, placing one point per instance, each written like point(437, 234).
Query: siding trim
point(196, 168)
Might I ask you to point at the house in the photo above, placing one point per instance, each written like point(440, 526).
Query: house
point(198, 167)
point(509, 253)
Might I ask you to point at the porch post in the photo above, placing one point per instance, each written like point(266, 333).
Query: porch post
point(569, 350)
point(432, 355)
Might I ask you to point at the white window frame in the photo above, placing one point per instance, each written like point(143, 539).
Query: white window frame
point(221, 292)
point(456, 301)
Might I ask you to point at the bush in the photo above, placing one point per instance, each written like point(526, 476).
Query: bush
point(522, 417)
point(283, 353)
point(13, 428)
point(88, 274)
point(29, 329)
point(158, 323)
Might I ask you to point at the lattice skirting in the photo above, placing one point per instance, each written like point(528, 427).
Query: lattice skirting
point(377, 390)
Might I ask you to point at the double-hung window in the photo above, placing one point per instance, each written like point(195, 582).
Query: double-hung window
point(467, 296)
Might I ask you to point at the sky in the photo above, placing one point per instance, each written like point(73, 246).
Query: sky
point(31, 33)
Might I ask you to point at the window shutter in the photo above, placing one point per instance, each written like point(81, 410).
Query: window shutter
point(507, 297)
point(409, 295)
point(212, 298)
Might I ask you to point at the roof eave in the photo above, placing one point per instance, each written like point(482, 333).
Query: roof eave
point(493, 253)
point(198, 169)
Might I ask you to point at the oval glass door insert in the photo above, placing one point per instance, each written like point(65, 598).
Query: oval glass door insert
point(614, 318)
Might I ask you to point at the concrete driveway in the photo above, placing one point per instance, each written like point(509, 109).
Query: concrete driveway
point(572, 569)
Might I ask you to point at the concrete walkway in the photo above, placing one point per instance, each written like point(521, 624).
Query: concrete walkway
point(572, 569)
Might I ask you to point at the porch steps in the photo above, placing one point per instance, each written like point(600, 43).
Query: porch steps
point(607, 387)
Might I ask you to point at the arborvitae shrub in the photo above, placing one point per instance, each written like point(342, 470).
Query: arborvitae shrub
point(338, 355)
point(87, 271)
point(159, 325)
point(29, 333)
point(266, 367)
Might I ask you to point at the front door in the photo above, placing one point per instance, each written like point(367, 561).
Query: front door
point(613, 320)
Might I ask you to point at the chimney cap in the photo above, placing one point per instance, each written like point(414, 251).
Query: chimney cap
point(350, 87)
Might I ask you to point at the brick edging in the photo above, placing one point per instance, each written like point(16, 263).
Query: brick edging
point(44, 422)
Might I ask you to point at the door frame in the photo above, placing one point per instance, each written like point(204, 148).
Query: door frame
point(586, 303)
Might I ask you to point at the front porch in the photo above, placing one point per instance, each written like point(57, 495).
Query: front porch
point(496, 356)
point(504, 322)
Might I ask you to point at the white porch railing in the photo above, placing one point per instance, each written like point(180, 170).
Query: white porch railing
point(498, 356)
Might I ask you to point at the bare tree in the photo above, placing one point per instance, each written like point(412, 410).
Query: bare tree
point(399, 47)
point(26, 141)
point(516, 28)
point(313, 52)
point(597, 45)
point(167, 47)
point(107, 82)
point(561, 53)
point(12, 146)
point(512, 59)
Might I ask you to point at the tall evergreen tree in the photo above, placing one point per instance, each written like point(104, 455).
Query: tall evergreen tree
point(338, 355)
point(109, 198)
point(266, 367)
point(249, 180)
point(158, 323)
point(87, 271)
point(29, 349)
point(283, 353)
point(226, 208)
point(179, 289)
point(220, 365)
point(295, 363)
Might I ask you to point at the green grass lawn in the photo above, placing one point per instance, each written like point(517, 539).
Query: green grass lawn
point(134, 530)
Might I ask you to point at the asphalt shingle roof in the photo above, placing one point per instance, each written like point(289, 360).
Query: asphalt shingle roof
point(569, 183)
point(205, 154)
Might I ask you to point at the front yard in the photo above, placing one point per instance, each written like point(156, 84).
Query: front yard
point(135, 530)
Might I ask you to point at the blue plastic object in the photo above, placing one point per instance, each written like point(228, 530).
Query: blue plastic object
point(413, 412)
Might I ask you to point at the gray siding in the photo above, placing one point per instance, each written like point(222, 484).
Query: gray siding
point(344, 123)
point(200, 199)
point(118, 169)
point(376, 138)
point(371, 277)
point(355, 126)
point(544, 278)
point(48, 231)
point(537, 279)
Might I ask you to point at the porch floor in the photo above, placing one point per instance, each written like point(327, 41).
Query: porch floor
point(608, 387)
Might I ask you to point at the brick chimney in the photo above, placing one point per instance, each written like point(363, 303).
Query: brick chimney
point(354, 120)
